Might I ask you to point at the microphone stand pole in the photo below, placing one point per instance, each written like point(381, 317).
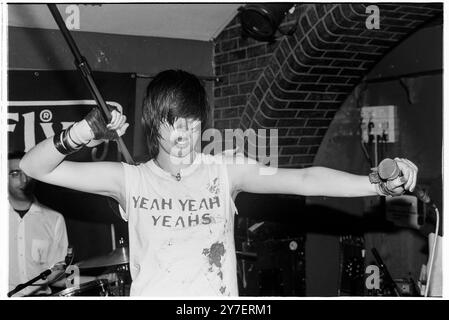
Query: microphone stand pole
point(83, 66)
point(389, 282)
point(22, 286)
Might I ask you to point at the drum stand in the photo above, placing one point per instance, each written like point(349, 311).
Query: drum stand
point(122, 272)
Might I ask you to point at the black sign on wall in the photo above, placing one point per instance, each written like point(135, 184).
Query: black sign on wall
point(41, 103)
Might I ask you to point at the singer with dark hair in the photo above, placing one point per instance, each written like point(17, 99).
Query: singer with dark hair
point(37, 234)
point(170, 96)
point(179, 205)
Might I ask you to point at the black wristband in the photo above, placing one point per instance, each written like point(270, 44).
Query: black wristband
point(57, 142)
point(69, 144)
point(374, 176)
point(69, 136)
point(62, 144)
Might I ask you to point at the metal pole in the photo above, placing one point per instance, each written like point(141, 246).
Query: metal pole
point(83, 66)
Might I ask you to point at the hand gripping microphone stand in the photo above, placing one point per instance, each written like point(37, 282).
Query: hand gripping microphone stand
point(83, 66)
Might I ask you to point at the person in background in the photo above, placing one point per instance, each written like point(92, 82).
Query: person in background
point(37, 234)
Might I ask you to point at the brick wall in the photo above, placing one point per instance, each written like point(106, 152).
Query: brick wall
point(297, 83)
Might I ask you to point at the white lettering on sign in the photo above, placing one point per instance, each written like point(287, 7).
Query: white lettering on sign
point(12, 116)
point(45, 116)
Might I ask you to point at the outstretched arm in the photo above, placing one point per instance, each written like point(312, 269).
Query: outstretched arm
point(45, 163)
point(314, 181)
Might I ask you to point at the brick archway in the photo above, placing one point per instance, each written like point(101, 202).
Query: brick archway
point(298, 83)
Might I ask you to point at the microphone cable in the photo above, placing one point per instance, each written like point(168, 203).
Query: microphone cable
point(432, 253)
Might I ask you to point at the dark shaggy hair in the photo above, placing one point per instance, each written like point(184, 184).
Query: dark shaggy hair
point(172, 94)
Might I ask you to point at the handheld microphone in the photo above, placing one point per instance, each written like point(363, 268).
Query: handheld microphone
point(389, 170)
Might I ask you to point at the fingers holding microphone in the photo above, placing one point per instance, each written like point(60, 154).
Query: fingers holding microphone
point(394, 177)
point(409, 173)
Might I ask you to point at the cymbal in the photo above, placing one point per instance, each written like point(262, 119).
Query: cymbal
point(117, 257)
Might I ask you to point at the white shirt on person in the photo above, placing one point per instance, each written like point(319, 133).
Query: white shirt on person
point(181, 233)
point(36, 242)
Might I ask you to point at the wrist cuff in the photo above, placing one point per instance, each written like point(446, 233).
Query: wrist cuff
point(62, 144)
point(75, 135)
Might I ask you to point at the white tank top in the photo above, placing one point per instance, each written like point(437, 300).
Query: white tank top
point(181, 233)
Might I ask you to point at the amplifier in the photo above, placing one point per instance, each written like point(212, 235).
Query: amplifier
point(277, 270)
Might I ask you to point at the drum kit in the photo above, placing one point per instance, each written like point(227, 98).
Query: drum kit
point(118, 261)
point(116, 282)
